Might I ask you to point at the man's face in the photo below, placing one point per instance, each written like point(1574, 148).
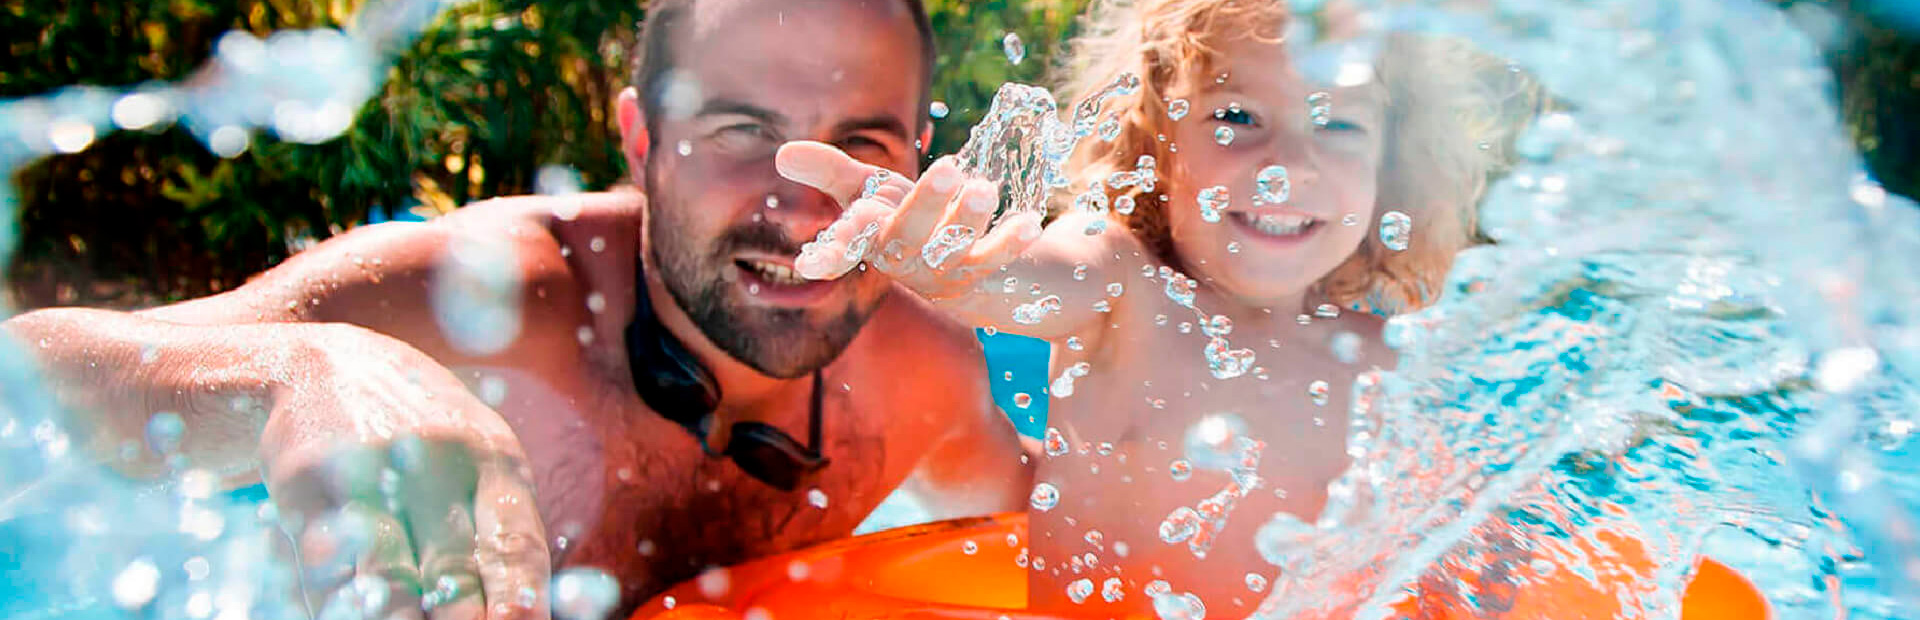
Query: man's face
point(724, 225)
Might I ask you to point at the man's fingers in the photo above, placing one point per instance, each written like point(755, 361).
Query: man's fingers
point(849, 240)
point(512, 547)
point(438, 485)
point(837, 174)
point(1006, 242)
point(928, 205)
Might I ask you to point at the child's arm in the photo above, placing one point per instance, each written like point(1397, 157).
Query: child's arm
point(918, 234)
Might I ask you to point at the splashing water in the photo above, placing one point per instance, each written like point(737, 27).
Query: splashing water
point(1636, 368)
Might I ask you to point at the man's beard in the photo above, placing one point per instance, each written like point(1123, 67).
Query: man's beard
point(783, 343)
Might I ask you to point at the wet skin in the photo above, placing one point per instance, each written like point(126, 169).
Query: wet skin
point(336, 362)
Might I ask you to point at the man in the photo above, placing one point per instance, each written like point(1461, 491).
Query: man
point(455, 407)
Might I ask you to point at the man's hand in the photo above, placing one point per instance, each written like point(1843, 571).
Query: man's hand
point(932, 236)
point(398, 488)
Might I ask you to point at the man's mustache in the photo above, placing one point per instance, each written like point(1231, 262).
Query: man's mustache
point(762, 237)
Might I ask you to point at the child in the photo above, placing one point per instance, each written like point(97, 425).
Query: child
point(1223, 275)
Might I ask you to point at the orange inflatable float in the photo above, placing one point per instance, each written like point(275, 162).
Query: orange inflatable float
point(932, 572)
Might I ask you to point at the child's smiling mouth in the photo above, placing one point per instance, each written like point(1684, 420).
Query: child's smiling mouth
point(1277, 226)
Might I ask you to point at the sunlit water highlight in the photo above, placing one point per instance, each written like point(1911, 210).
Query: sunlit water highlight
point(1695, 333)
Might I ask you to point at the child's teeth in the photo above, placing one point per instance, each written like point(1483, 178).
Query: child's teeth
point(1280, 225)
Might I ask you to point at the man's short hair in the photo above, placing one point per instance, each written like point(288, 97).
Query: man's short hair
point(654, 55)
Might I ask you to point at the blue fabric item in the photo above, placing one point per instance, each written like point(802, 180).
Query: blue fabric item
point(1026, 359)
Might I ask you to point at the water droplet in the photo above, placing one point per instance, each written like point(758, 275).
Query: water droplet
point(773, 202)
point(683, 147)
point(1123, 205)
point(817, 498)
point(1016, 51)
point(1213, 201)
point(1109, 129)
point(1111, 590)
point(70, 135)
point(1102, 306)
point(1395, 228)
point(1180, 469)
point(1318, 392)
point(164, 431)
point(1180, 290)
point(1223, 136)
point(1273, 185)
point(1327, 311)
point(1007, 286)
point(1157, 588)
point(1079, 590)
point(1186, 327)
point(1044, 497)
point(1226, 363)
point(1160, 319)
point(136, 584)
point(1346, 347)
point(1350, 219)
point(1074, 344)
point(1178, 108)
point(937, 109)
point(1184, 606)
point(1033, 312)
point(715, 583)
point(969, 547)
point(1022, 400)
point(1080, 271)
point(1013, 540)
point(1056, 444)
point(1304, 319)
point(1105, 449)
point(949, 240)
point(584, 594)
point(1180, 525)
point(1233, 247)
point(1217, 326)
point(1079, 369)
point(1255, 582)
point(669, 602)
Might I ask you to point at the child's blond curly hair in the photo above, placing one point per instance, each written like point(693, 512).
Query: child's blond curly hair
point(1444, 131)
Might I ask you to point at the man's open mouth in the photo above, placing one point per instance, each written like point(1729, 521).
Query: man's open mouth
point(771, 273)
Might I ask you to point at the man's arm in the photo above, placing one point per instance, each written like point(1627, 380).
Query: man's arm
point(974, 462)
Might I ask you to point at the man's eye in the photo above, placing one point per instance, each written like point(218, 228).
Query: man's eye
point(865, 149)
point(742, 136)
point(1233, 115)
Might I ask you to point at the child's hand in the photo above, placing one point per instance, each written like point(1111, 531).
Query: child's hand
point(931, 236)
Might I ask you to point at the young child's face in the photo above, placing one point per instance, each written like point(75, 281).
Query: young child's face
point(1266, 253)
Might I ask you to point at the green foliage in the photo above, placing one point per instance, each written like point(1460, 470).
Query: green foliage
point(973, 64)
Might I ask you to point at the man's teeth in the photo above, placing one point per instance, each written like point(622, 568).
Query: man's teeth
point(1277, 225)
point(774, 273)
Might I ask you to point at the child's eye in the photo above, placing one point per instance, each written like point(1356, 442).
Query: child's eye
point(1343, 126)
point(1233, 115)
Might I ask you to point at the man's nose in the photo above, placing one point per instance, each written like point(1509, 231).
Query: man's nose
point(802, 210)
